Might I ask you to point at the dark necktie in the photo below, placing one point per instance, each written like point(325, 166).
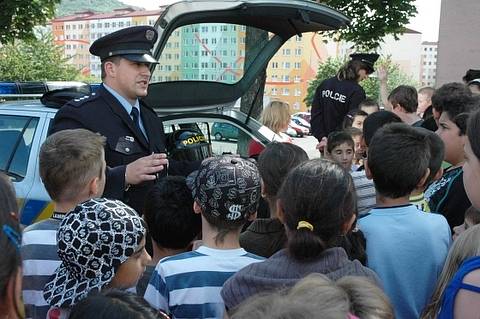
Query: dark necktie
point(135, 116)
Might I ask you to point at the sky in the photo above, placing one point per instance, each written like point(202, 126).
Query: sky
point(426, 21)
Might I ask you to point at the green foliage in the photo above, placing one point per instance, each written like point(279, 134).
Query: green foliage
point(372, 20)
point(35, 60)
point(371, 85)
point(68, 7)
point(19, 17)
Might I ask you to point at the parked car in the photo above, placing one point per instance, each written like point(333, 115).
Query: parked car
point(300, 130)
point(186, 93)
point(224, 131)
point(304, 115)
point(302, 122)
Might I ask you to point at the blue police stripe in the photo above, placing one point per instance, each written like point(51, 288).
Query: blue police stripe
point(31, 210)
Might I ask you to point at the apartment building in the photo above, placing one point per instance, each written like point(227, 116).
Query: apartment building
point(428, 66)
point(76, 32)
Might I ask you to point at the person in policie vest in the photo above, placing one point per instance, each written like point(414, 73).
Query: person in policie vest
point(337, 95)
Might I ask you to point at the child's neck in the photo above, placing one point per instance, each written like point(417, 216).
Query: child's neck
point(209, 233)
point(161, 252)
point(417, 191)
point(410, 118)
point(383, 201)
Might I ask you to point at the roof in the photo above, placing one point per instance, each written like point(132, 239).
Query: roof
point(26, 105)
point(407, 30)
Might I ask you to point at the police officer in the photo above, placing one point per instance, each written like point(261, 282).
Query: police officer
point(335, 96)
point(135, 151)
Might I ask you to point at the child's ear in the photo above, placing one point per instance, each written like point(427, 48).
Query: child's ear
point(93, 187)
point(196, 208)
point(280, 212)
point(438, 175)
point(252, 217)
point(347, 225)
point(262, 188)
point(422, 181)
point(368, 172)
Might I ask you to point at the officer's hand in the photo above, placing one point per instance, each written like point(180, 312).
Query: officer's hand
point(145, 168)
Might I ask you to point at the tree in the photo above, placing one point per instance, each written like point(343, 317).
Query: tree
point(371, 85)
point(35, 60)
point(18, 18)
point(372, 20)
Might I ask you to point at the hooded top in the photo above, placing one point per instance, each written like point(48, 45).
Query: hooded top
point(283, 271)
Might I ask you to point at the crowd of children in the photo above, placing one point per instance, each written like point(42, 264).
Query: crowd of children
point(384, 227)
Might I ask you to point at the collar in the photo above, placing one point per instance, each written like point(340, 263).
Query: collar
point(123, 101)
point(58, 215)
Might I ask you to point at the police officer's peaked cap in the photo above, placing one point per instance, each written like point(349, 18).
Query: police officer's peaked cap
point(471, 75)
point(134, 44)
point(368, 58)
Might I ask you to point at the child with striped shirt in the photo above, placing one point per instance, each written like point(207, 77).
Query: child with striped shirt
point(226, 191)
point(72, 168)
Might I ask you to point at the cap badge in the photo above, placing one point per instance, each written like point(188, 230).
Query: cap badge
point(149, 35)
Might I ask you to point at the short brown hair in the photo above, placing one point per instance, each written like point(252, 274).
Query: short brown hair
point(68, 160)
point(113, 59)
point(406, 96)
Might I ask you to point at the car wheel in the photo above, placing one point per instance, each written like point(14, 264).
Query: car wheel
point(218, 137)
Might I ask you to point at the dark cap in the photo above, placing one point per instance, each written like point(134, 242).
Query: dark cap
point(471, 75)
point(368, 58)
point(134, 44)
point(226, 187)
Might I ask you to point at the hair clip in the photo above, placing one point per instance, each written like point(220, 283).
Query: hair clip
point(12, 235)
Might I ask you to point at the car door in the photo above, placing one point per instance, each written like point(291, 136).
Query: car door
point(202, 44)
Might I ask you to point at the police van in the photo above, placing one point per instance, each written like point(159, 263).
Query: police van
point(203, 71)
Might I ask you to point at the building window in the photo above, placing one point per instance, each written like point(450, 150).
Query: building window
point(274, 91)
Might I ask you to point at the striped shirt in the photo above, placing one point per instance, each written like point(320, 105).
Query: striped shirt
point(188, 285)
point(365, 189)
point(40, 260)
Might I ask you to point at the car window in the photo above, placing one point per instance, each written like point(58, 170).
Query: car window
point(205, 52)
point(16, 136)
point(225, 138)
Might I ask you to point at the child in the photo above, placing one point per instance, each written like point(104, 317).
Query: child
point(398, 234)
point(11, 265)
point(472, 218)
point(101, 244)
point(369, 106)
point(437, 151)
point(225, 191)
point(354, 118)
point(444, 94)
point(316, 204)
point(404, 103)
point(72, 168)
point(266, 236)
point(425, 108)
point(447, 195)
point(171, 221)
point(113, 303)
point(341, 149)
point(363, 186)
point(356, 135)
point(461, 297)
point(349, 297)
point(466, 246)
